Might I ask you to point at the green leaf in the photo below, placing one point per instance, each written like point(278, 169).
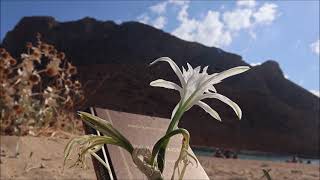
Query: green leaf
point(166, 138)
point(88, 144)
point(158, 147)
point(106, 128)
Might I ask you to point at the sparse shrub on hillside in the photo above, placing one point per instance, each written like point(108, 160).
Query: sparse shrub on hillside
point(36, 89)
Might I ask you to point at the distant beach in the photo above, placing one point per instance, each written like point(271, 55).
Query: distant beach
point(240, 169)
point(256, 155)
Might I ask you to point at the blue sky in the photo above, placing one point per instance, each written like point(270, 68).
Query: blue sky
point(285, 31)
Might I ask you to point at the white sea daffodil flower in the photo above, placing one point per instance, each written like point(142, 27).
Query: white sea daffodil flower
point(196, 86)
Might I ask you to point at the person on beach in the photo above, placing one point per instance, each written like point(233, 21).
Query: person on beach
point(227, 153)
point(218, 154)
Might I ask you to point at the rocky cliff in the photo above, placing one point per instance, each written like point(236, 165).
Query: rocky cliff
point(278, 115)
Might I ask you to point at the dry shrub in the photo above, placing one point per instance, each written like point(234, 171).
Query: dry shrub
point(37, 90)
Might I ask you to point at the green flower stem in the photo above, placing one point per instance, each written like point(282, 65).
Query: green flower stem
point(183, 171)
point(164, 139)
point(177, 116)
point(162, 149)
point(100, 160)
point(174, 122)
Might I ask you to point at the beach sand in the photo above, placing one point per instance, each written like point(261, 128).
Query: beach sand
point(239, 169)
point(42, 158)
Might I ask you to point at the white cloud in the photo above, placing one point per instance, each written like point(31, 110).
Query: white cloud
point(255, 64)
point(209, 30)
point(159, 8)
point(178, 2)
point(213, 27)
point(216, 29)
point(183, 13)
point(186, 30)
point(252, 34)
point(143, 18)
point(187, 27)
point(315, 92)
point(315, 47)
point(286, 76)
point(246, 3)
point(266, 14)
point(159, 22)
point(118, 21)
point(238, 19)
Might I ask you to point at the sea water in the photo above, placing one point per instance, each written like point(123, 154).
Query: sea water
point(254, 155)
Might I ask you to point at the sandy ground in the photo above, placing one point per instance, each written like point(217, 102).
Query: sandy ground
point(46, 161)
point(42, 158)
point(238, 169)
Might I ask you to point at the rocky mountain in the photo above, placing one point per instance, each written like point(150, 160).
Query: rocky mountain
point(278, 115)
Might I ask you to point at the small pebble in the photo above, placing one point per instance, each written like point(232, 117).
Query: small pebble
point(46, 159)
point(42, 166)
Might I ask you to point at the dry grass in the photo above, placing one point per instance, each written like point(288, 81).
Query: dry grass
point(37, 90)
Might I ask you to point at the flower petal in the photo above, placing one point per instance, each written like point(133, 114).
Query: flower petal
point(197, 70)
point(175, 110)
point(183, 70)
point(212, 89)
point(189, 67)
point(166, 84)
point(174, 67)
point(227, 73)
point(226, 100)
point(209, 110)
point(204, 70)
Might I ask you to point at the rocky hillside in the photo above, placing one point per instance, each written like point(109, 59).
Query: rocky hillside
point(278, 115)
